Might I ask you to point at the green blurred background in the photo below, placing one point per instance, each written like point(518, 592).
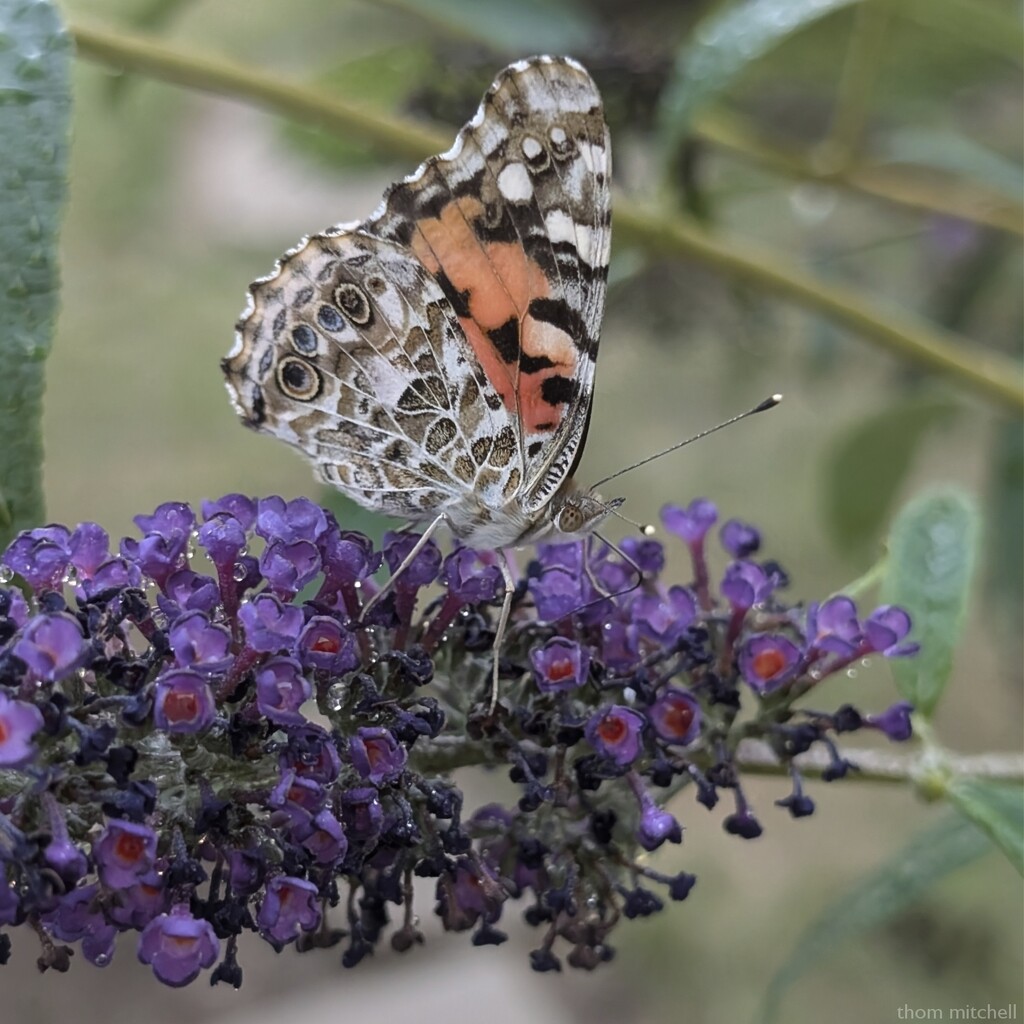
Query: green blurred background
point(178, 199)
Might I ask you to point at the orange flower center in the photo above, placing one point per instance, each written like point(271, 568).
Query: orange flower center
point(612, 730)
point(181, 707)
point(769, 663)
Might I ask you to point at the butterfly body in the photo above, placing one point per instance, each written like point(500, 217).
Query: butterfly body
point(436, 361)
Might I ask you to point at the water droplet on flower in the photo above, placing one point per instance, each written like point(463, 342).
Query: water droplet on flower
point(336, 696)
point(814, 675)
point(358, 584)
point(6, 574)
point(101, 959)
point(851, 673)
point(70, 577)
point(864, 662)
point(190, 551)
point(239, 572)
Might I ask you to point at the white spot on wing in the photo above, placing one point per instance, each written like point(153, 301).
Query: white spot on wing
point(514, 183)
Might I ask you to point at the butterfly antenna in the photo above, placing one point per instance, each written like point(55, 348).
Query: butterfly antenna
point(768, 403)
point(613, 507)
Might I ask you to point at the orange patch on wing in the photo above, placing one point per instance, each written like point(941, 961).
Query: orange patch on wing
point(500, 284)
point(541, 338)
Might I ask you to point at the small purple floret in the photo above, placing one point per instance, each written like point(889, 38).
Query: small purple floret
point(178, 946)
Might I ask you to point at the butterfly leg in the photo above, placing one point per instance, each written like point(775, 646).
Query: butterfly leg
point(404, 564)
point(499, 635)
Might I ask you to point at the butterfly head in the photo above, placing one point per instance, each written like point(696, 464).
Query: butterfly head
point(580, 513)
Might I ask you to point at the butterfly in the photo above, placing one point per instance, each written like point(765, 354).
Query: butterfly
point(436, 361)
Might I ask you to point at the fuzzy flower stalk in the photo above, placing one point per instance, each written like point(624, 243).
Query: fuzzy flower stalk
point(201, 734)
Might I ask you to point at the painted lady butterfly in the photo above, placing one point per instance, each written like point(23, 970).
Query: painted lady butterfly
point(436, 361)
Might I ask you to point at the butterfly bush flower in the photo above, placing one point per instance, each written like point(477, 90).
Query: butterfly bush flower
point(202, 734)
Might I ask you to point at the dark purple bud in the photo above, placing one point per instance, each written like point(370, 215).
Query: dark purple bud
point(885, 627)
point(657, 826)
point(290, 905)
point(200, 644)
point(246, 869)
point(178, 946)
point(648, 554)
point(124, 852)
point(744, 585)
point(691, 523)
point(423, 569)
point(469, 579)
point(288, 567)
point(13, 608)
point(894, 721)
point(376, 755)
point(741, 540)
point(238, 506)
point(326, 645)
point(19, 722)
point(269, 625)
point(40, 557)
point(281, 689)
point(560, 665)
point(675, 716)
point(362, 814)
point(616, 733)
point(182, 702)
point(291, 521)
point(664, 618)
point(768, 661)
point(313, 755)
point(52, 646)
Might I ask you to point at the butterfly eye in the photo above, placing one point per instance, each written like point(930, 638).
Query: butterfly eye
point(570, 519)
point(354, 302)
point(298, 379)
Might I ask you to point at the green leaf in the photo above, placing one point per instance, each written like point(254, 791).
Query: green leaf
point(877, 897)
point(35, 104)
point(972, 24)
point(953, 153)
point(997, 809)
point(721, 46)
point(863, 471)
point(932, 551)
point(518, 29)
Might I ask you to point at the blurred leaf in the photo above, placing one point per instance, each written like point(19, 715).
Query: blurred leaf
point(1005, 541)
point(383, 80)
point(720, 47)
point(877, 898)
point(972, 24)
point(997, 809)
point(519, 29)
point(932, 550)
point(865, 468)
point(35, 104)
point(351, 516)
point(953, 153)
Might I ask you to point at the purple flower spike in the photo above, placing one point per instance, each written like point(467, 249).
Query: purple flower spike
point(664, 619)
point(833, 626)
point(326, 645)
point(885, 627)
point(19, 722)
point(556, 593)
point(289, 567)
point(894, 721)
point(270, 626)
point(40, 557)
point(769, 661)
point(124, 852)
point(469, 581)
point(89, 548)
point(616, 733)
point(560, 665)
point(182, 702)
point(740, 539)
point(377, 755)
point(200, 644)
point(744, 585)
point(290, 906)
point(238, 506)
point(178, 946)
point(52, 646)
point(281, 689)
point(656, 826)
point(691, 523)
point(675, 716)
point(423, 569)
point(290, 521)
